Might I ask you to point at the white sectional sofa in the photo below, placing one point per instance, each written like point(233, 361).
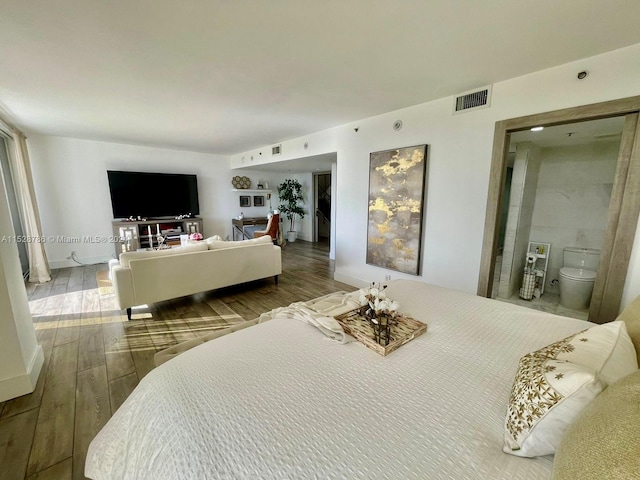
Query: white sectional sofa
point(146, 277)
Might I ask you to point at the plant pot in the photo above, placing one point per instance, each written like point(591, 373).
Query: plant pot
point(291, 236)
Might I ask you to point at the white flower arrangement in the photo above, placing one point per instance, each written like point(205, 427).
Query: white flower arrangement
point(376, 299)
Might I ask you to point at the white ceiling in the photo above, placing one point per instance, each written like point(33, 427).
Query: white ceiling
point(229, 76)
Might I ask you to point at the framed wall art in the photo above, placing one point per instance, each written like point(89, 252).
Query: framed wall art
point(396, 202)
point(245, 201)
point(258, 201)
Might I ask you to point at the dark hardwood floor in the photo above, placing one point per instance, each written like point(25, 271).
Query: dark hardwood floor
point(94, 357)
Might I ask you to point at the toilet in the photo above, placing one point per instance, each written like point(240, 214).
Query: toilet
point(577, 277)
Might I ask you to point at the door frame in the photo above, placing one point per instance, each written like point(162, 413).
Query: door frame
point(624, 207)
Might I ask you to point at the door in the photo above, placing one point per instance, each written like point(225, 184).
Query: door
point(322, 206)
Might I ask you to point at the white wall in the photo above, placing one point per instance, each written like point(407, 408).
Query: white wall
point(70, 178)
point(21, 357)
point(304, 226)
point(572, 199)
point(458, 165)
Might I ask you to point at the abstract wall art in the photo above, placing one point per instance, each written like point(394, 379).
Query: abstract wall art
point(396, 201)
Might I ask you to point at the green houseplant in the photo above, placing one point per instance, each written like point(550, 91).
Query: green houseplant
point(290, 193)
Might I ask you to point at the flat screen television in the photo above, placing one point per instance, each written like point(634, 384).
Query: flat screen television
point(152, 195)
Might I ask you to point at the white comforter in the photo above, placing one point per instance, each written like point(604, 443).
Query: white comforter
point(282, 401)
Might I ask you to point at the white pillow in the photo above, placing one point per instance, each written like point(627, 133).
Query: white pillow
point(126, 257)
point(554, 384)
point(607, 349)
point(547, 396)
point(216, 245)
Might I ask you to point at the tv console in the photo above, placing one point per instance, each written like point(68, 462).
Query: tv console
point(138, 234)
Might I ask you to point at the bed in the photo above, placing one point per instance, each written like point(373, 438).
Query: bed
point(280, 400)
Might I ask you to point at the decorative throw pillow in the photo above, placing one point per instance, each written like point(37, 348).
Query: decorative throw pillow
point(216, 245)
point(631, 317)
point(554, 384)
point(605, 440)
point(126, 257)
point(606, 348)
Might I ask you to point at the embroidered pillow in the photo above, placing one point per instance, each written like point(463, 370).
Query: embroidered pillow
point(606, 348)
point(631, 317)
point(554, 384)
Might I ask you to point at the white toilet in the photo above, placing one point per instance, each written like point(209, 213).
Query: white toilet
point(577, 277)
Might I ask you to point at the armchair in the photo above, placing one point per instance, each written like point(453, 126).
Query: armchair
point(272, 228)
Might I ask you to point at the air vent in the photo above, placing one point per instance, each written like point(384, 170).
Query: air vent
point(276, 149)
point(473, 100)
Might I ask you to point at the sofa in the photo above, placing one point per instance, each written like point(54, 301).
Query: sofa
point(145, 277)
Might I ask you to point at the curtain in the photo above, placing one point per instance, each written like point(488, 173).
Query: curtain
point(21, 172)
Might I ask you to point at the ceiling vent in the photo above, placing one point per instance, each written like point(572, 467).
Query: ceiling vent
point(473, 100)
point(276, 149)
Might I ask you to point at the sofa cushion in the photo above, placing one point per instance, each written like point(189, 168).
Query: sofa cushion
point(126, 257)
point(217, 245)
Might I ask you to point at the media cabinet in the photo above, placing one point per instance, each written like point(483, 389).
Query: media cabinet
point(135, 235)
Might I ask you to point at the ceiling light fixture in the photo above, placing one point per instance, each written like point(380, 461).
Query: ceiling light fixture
point(537, 129)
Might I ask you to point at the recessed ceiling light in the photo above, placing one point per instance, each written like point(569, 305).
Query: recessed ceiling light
point(537, 129)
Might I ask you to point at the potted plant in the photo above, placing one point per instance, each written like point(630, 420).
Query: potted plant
point(290, 193)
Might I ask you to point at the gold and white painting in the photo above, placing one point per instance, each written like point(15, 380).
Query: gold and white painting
point(396, 194)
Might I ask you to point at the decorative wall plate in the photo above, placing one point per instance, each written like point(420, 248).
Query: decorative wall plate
point(241, 182)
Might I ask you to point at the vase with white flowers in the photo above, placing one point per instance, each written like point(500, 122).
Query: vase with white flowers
point(380, 310)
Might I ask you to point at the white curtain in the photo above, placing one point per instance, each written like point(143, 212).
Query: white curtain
point(23, 182)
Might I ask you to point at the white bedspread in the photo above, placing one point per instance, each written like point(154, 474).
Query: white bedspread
point(281, 401)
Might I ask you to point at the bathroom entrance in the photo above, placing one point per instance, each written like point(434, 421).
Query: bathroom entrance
point(616, 282)
point(556, 204)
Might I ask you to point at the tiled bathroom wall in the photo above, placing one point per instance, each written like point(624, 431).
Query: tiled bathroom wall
point(572, 198)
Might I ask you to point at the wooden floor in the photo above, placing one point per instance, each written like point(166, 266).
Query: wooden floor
point(94, 357)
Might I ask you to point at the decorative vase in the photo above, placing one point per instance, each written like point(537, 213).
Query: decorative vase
point(382, 328)
point(291, 236)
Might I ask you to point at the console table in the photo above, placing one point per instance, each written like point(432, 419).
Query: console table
point(134, 235)
point(238, 226)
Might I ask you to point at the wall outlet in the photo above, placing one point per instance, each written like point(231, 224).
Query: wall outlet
point(387, 278)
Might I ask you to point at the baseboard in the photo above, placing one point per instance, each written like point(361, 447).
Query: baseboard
point(54, 264)
point(26, 383)
point(353, 281)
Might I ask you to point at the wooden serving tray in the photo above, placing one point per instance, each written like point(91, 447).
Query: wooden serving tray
point(360, 328)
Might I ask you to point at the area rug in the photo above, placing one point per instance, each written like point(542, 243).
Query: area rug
point(104, 283)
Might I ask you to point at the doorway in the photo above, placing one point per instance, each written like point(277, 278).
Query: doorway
point(322, 207)
point(622, 215)
point(559, 202)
